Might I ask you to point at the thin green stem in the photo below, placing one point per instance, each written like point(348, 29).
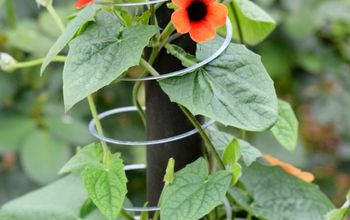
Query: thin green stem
point(106, 152)
point(36, 62)
point(135, 94)
point(10, 13)
point(168, 30)
point(126, 215)
point(204, 136)
point(138, 84)
point(238, 23)
point(153, 15)
point(148, 67)
point(56, 17)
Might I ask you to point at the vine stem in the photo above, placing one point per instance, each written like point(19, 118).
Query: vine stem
point(204, 136)
point(106, 152)
point(126, 215)
point(56, 17)
point(149, 67)
point(36, 62)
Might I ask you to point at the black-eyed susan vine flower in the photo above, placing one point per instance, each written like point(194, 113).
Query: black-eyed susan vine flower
point(199, 18)
point(82, 3)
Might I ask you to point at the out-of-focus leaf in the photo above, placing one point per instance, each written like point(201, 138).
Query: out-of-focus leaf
point(13, 131)
point(255, 23)
point(69, 129)
point(42, 156)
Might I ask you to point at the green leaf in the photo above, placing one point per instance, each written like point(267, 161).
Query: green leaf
point(89, 155)
point(100, 55)
point(169, 172)
point(286, 128)
point(221, 139)
point(232, 152)
point(338, 214)
point(59, 200)
point(106, 186)
point(185, 58)
point(193, 193)
point(234, 89)
point(82, 18)
point(68, 129)
point(13, 130)
point(42, 156)
point(255, 23)
point(236, 173)
point(277, 195)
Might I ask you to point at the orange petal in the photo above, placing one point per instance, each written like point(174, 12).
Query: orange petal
point(208, 2)
point(82, 3)
point(306, 176)
point(217, 14)
point(181, 21)
point(202, 31)
point(182, 3)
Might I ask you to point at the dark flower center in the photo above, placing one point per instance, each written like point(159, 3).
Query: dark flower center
point(197, 11)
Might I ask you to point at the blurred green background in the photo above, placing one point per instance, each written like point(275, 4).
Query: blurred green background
point(308, 56)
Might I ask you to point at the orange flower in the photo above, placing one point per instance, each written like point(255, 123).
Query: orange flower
point(200, 18)
point(82, 3)
point(307, 177)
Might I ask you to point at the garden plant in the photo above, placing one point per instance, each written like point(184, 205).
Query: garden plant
point(199, 88)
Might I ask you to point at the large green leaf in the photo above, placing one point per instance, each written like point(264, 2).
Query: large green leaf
point(106, 186)
point(277, 195)
point(234, 89)
point(42, 156)
point(286, 128)
point(193, 192)
point(89, 155)
point(83, 16)
point(100, 55)
point(60, 200)
point(221, 139)
point(13, 131)
point(255, 23)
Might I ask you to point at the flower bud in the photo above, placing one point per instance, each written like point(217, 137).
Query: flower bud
point(7, 62)
point(44, 3)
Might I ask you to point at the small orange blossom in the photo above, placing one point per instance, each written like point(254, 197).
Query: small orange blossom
point(307, 177)
point(199, 18)
point(82, 3)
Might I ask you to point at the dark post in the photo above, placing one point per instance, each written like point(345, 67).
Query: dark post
point(165, 119)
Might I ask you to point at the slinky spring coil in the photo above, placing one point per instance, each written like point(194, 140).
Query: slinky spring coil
point(92, 127)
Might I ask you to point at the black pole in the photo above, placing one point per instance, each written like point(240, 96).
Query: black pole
point(165, 119)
